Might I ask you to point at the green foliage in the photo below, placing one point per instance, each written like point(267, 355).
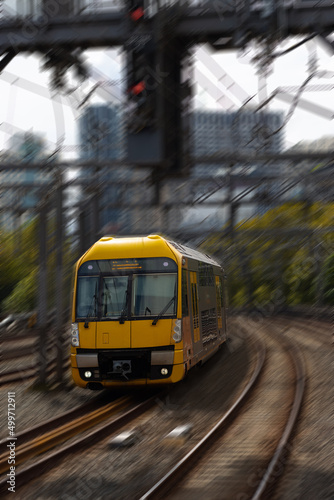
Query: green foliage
point(262, 294)
point(22, 298)
point(17, 257)
point(300, 276)
point(240, 297)
point(270, 259)
point(19, 253)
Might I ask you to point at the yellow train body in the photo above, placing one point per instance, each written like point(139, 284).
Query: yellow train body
point(145, 311)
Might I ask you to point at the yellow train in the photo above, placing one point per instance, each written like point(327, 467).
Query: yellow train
point(145, 311)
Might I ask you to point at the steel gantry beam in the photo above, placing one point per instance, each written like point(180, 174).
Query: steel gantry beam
point(215, 21)
point(157, 41)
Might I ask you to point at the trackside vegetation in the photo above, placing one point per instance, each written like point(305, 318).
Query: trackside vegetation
point(19, 268)
point(283, 257)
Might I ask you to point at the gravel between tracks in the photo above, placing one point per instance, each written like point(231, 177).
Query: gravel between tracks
point(36, 405)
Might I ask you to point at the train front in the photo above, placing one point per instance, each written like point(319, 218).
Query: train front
point(126, 315)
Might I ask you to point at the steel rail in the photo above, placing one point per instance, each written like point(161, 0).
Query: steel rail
point(281, 451)
point(14, 337)
point(279, 456)
point(67, 430)
point(177, 472)
point(21, 374)
point(27, 350)
point(112, 425)
point(17, 375)
point(36, 430)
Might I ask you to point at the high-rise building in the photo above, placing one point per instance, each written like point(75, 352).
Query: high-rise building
point(101, 138)
point(101, 134)
point(245, 131)
point(217, 133)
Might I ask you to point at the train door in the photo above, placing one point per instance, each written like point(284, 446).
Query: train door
point(195, 311)
point(113, 331)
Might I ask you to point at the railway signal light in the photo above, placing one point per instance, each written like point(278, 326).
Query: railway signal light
point(141, 95)
point(136, 10)
point(155, 92)
point(137, 13)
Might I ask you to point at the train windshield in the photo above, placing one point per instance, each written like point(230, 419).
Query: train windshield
point(126, 288)
point(87, 297)
point(151, 293)
point(114, 296)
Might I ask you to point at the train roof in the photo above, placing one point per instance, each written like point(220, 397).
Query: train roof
point(141, 247)
point(193, 254)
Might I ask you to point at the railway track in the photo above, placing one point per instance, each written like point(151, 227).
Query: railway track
point(19, 375)
point(206, 470)
point(159, 415)
point(29, 351)
point(252, 465)
point(321, 330)
point(40, 439)
point(313, 444)
point(28, 372)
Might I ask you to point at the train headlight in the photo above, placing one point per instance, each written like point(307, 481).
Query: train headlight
point(75, 335)
point(88, 374)
point(177, 335)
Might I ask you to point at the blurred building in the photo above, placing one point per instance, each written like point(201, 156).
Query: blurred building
point(244, 131)
point(101, 138)
point(218, 133)
point(21, 188)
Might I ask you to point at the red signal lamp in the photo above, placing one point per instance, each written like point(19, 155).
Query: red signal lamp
point(137, 14)
point(138, 88)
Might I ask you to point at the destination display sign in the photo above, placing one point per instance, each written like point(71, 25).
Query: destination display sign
point(119, 266)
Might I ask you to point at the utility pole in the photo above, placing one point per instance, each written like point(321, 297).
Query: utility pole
point(42, 293)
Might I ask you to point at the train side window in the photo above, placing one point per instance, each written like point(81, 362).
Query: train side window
point(185, 308)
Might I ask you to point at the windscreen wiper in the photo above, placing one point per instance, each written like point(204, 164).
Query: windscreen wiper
point(124, 311)
point(161, 313)
point(90, 309)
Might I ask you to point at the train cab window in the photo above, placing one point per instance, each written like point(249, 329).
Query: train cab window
point(87, 296)
point(151, 294)
point(114, 296)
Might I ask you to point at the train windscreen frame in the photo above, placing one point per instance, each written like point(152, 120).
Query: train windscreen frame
point(115, 284)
